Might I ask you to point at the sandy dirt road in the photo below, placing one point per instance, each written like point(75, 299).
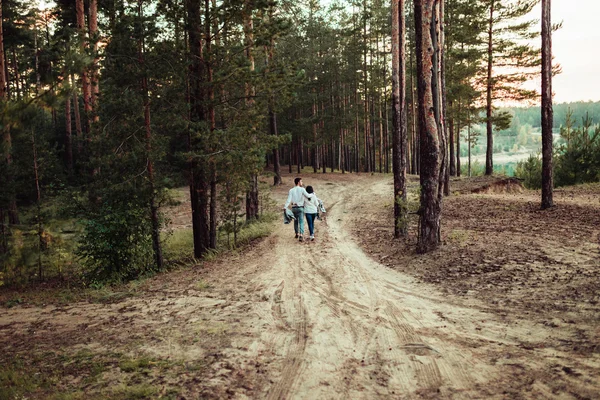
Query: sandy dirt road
point(312, 320)
point(348, 327)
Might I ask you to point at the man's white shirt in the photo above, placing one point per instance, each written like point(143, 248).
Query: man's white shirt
point(297, 195)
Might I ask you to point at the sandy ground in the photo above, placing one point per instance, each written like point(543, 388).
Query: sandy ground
point(507, 308)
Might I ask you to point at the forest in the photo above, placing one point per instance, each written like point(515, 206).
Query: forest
point(147, 148)
point(114, 107)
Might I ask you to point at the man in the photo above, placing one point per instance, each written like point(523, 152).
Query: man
point(296, 197)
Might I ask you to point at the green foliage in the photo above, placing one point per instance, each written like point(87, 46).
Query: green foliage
point(477, 169)
point(116, 244)
point(530, 171)
point(578, 159)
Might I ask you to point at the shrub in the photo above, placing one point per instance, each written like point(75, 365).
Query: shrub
point(116, 244)
point(530, 171)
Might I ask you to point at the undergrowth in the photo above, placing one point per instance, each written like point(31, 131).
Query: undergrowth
point(179, 245)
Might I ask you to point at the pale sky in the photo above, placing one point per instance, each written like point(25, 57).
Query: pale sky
point(576, 46)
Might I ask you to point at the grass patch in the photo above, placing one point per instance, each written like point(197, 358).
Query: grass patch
point(179, 245)
point(202, 285)
point(72, 396)
point(459, 236)
point(15, 383)
point(13, 302)
point(141, 391)
point(133, 365)
point(107, 294)
point(21, 381)
point(63, 293)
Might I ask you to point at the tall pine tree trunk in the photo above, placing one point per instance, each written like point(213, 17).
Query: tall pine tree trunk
point(77, 115)
point(13, 216)
point(315, 150)
point(18, 85)
point(252, 193)
point(272, 114)
point(457, 149)
point(156, 245)
point(38, 202)
point(276, 162)
point(452, 170)
point(94, 78)
point(489, 164)
point(210, 89)
point(38, 78)
point(458, 128)
point(68, 136)
point(3, 233)
point(399, 139)
point(443, 120)
point(426, 13)
point(198, 169)
point(547, 117)
point(414, 111)
point(85, 79)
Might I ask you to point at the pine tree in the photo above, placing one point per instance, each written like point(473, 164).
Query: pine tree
point(547, 120)
point(399, 138)
point(427, 20)
point(465, 21)
point(506, 52)
point(196, 143)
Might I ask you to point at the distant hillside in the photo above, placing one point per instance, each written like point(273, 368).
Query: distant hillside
point(531, 115)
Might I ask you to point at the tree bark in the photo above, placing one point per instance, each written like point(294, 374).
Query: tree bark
point(399, 117)
point(547, 112)
point(429, 124)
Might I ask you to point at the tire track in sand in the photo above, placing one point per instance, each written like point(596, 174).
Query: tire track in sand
point(295, 352)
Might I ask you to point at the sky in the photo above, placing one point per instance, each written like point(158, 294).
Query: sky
point(576, 47)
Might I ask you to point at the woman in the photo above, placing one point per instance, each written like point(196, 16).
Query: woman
point(310, 210)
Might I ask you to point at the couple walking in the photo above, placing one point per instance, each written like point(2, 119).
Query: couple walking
point(304, 202)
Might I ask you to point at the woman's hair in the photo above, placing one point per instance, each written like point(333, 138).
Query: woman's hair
point(309, 189)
